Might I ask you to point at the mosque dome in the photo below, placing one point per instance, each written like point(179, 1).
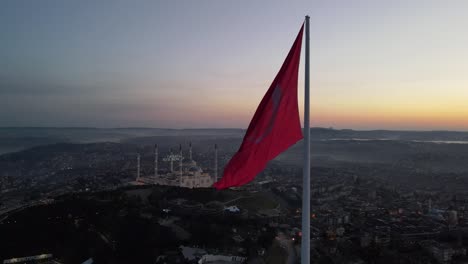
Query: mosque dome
point(195, 169)
point(189, 162)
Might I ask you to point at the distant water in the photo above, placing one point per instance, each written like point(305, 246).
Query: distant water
point(387, 139)
point(443, 141)
point(357, 139)
point(8, 150)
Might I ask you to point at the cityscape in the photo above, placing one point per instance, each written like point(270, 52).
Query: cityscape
point(374, 200)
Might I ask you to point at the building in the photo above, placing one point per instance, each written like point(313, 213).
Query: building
point(43, 259)
point(221, 259)
point(183, 172)
point(193, 176)
point(441, 252)
point(452, 218)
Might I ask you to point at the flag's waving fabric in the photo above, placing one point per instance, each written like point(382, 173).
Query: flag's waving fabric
point(274, 127)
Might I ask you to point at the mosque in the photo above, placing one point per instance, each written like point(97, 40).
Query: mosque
point(186, 172)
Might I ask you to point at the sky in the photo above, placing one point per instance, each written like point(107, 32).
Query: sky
point(375, 64)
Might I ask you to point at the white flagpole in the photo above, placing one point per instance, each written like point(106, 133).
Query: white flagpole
point(305, 250)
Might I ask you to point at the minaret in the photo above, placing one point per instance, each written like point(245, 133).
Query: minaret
point(216, 164)
point(190, 151)
point(138, 167)
point(180, 159)
point(156, 154)
point(171, 160)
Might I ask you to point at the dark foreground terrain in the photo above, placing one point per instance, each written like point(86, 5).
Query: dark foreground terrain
point(138, 225)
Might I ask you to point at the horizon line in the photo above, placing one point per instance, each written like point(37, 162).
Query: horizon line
point(227, 128)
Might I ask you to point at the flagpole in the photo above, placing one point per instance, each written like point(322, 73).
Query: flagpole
point(305, 250)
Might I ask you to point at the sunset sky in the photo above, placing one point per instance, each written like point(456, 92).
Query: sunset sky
point(206, 64)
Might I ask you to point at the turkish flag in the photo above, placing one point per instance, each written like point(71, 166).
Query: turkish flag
point(273, 129)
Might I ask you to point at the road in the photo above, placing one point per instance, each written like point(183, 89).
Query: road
point(287, 244)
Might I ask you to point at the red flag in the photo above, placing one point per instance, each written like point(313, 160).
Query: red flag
point(274, 127)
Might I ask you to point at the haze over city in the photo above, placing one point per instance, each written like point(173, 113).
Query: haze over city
point(396, 65)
